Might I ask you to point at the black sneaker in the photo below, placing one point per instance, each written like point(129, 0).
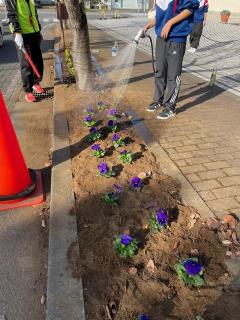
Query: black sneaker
point(154, 106)
point(166, 114)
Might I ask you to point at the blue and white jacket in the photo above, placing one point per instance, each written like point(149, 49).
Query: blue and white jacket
point(199, 13)
point(167, 9)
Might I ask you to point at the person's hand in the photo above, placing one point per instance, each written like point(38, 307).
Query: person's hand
point(166, 29)
point(204, 23)
point(19, 40)
point(146, 27)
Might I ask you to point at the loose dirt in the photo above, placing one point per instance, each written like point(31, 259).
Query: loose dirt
point(120, 289)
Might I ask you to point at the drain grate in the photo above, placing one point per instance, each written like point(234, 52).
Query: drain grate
point(48, 94)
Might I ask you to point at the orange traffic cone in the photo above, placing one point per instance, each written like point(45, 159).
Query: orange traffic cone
point(16, 181)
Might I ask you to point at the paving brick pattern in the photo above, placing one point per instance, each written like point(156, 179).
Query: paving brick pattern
point(212, 162)
point(203, 140)
point(219, 47)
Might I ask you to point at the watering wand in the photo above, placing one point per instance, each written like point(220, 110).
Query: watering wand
point(142, 34)
point(30, 62)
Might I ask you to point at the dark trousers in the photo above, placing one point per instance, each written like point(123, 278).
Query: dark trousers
point(196, 34)
point(32, 45)
point(169, 58)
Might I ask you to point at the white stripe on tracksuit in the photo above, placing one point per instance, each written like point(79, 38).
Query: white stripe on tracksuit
point(176, 92)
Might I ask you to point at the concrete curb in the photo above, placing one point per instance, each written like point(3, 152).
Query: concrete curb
point(188, 195)
point(64, 293)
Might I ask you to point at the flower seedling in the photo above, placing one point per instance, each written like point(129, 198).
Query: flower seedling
point(159, 220)
point(136, 184)
point(94, 135)
point(97, 151)
point(105, 171)
point(117, 141)
point(126, 246)
point(102, 106)
point(69, 63)
point(89, 111)
point(111, 198)
point(190, 271)
point(89, 121)
point(126, 156)
point(118, 188)
point(113, 114)
point(112, 126)
point(142, 317)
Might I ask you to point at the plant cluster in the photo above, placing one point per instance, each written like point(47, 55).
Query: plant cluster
point(159, 220)
point(97, 151)
point(114, 114)
point(126, 246)
point(117, 141)
point(142, 317)
point(126, 156)
point(102, 106)
point(112, 126)
point(94, 135)
point(191, 272)
point(105, 171)
point(68, 62)
point(89, 121)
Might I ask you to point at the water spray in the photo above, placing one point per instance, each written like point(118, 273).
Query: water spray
point(141, 35)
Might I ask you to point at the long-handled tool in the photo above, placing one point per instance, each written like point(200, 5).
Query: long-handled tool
point(30, 62)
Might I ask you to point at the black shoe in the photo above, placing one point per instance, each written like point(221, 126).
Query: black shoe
point(166, 114)
point(154, 106)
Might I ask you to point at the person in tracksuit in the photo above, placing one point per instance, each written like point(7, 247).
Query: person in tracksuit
point(24, 24)
point(173, 23)
point(200, 17)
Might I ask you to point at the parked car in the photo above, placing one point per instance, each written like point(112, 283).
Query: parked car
point(1, 34)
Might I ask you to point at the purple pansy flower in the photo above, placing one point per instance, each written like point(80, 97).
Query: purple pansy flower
point(162, 217)
point(93, 130)
point(113, 112)
point(118, 189)
point(143, 317)
point(123, 152)
point(96, 147)
point(88, 118)
point(90, 109)
point(110, 123)
point(136, 183)
point(192, 267)
point(126, 239)
point(115, 137)
point(103, 168)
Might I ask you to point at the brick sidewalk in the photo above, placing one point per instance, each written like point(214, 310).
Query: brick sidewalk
point(203, 140)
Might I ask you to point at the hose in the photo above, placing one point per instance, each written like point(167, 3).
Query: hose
point(151, 42)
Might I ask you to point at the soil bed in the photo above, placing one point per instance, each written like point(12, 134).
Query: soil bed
point(108, 280)
point(117, 288)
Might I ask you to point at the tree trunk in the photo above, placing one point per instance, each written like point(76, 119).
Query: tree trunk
point(81, 45)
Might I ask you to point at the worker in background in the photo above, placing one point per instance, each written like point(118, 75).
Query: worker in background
point(62, 13)
point(24, 24)
point(173, 23)
point(200, 18)
point(103, 10)
point(116, 10)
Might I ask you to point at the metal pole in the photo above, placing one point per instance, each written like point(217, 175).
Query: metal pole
point(61, 22)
